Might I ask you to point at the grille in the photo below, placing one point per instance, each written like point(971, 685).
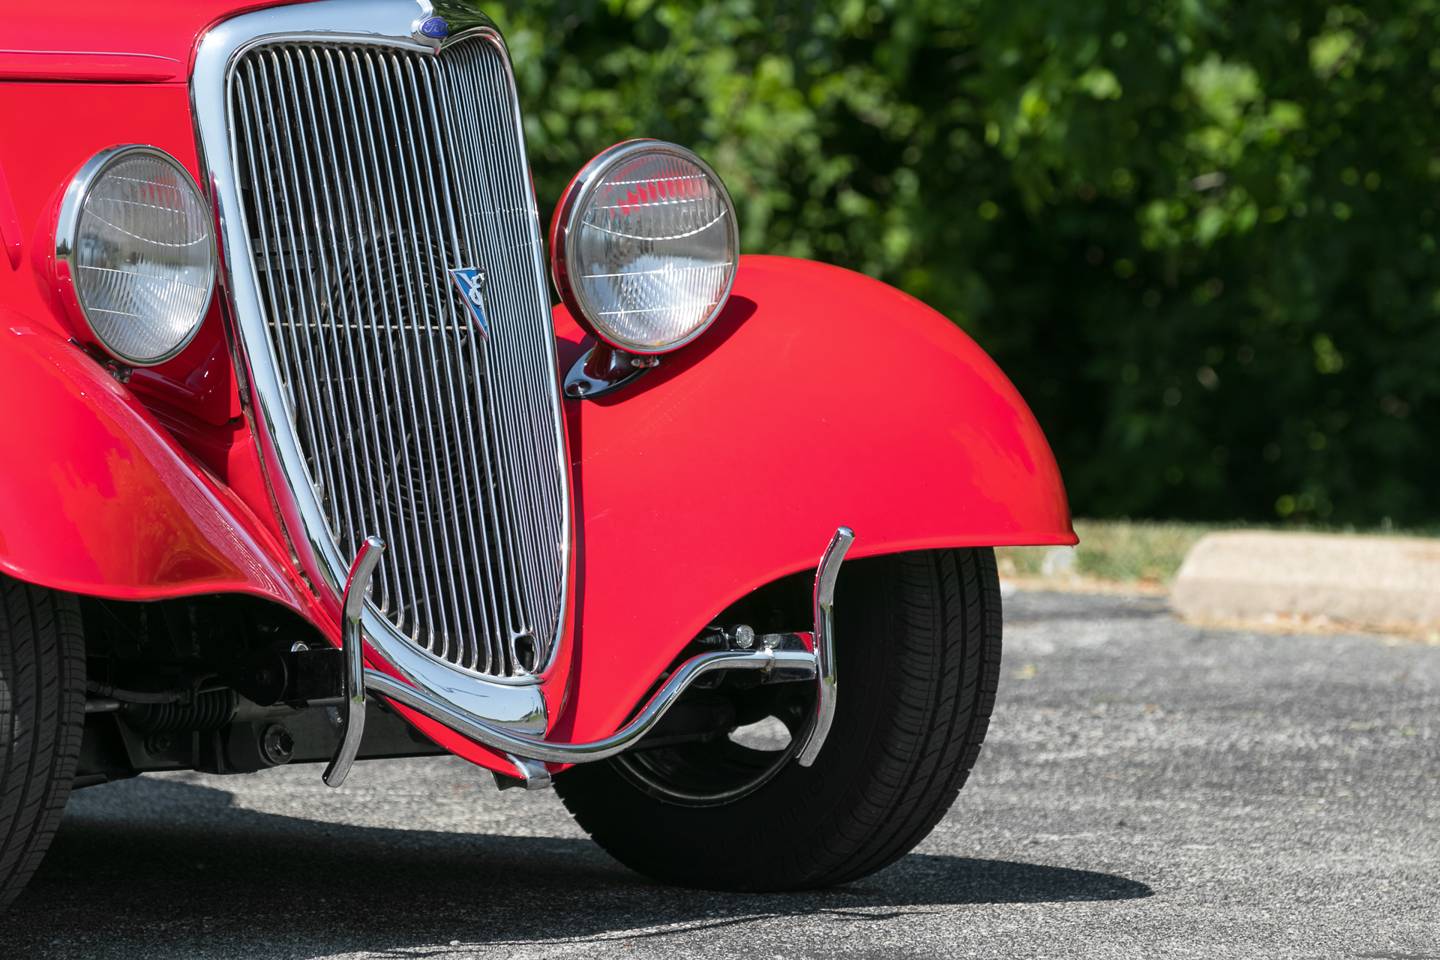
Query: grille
point(367, 174)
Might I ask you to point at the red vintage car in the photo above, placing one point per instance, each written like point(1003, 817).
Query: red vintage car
point(302, 464)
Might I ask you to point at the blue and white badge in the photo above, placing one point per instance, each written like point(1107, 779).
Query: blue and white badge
point(471, 281)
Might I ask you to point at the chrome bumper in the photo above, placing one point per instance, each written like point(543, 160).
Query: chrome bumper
point(530, 753)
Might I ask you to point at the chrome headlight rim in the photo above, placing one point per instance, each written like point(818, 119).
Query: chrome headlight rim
point(67, 227)
point(563, 235)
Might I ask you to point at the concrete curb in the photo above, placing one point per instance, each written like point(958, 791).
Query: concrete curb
point(1355, 579)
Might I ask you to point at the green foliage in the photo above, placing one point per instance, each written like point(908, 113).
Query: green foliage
point(1199, 234)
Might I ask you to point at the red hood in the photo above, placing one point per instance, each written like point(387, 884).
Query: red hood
point(110, 39)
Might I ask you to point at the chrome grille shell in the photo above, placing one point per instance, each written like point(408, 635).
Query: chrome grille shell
point(491, 490)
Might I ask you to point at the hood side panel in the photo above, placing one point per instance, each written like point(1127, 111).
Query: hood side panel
point(100, 40)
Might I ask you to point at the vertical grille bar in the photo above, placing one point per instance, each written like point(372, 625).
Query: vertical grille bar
point(367, 174)
point(497, 182)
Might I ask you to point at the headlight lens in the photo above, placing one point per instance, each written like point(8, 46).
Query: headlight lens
point(135, 239)
point(644, 246)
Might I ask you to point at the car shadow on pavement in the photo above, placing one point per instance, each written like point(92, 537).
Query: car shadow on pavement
point(233, 882)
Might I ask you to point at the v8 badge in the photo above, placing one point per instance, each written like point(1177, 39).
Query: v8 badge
point(471, 282)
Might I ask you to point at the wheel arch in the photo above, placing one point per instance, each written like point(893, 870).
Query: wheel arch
point(821, 397)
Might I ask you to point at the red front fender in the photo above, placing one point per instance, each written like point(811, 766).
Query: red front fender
point(97, 498)
point(820, 397)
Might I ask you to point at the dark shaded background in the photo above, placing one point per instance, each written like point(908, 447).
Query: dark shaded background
point(1200, 236)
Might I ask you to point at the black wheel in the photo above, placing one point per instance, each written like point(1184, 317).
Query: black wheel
point(42, 717)
point(918, 653)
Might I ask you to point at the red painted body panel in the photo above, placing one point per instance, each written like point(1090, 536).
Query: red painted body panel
point(97, 498)
point(77, 65)
point(100, 40)
point(819, 397)
point(10, 238)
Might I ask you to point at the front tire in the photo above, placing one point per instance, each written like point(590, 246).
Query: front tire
point(918, 654)
point(42, 719)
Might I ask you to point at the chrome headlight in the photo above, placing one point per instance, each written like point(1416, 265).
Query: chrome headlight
point(644, 246)
point(135, 245)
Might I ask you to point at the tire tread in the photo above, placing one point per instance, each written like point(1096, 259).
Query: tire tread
point(910, 746)
point(42, 665)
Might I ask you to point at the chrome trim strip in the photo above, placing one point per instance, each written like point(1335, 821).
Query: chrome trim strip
point(352, 709)
point(528, 752)
point(826, 680)
point(801, 663)
point(509, 703)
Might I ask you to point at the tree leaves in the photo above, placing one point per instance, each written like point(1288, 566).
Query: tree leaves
point(1200, 236)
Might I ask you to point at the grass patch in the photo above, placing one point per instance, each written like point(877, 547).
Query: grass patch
point(1121, 551)
point(1145, 552)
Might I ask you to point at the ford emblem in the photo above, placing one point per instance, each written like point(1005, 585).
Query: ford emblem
point(435, 28)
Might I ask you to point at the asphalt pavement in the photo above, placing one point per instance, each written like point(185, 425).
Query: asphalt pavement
point(1149, 789)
